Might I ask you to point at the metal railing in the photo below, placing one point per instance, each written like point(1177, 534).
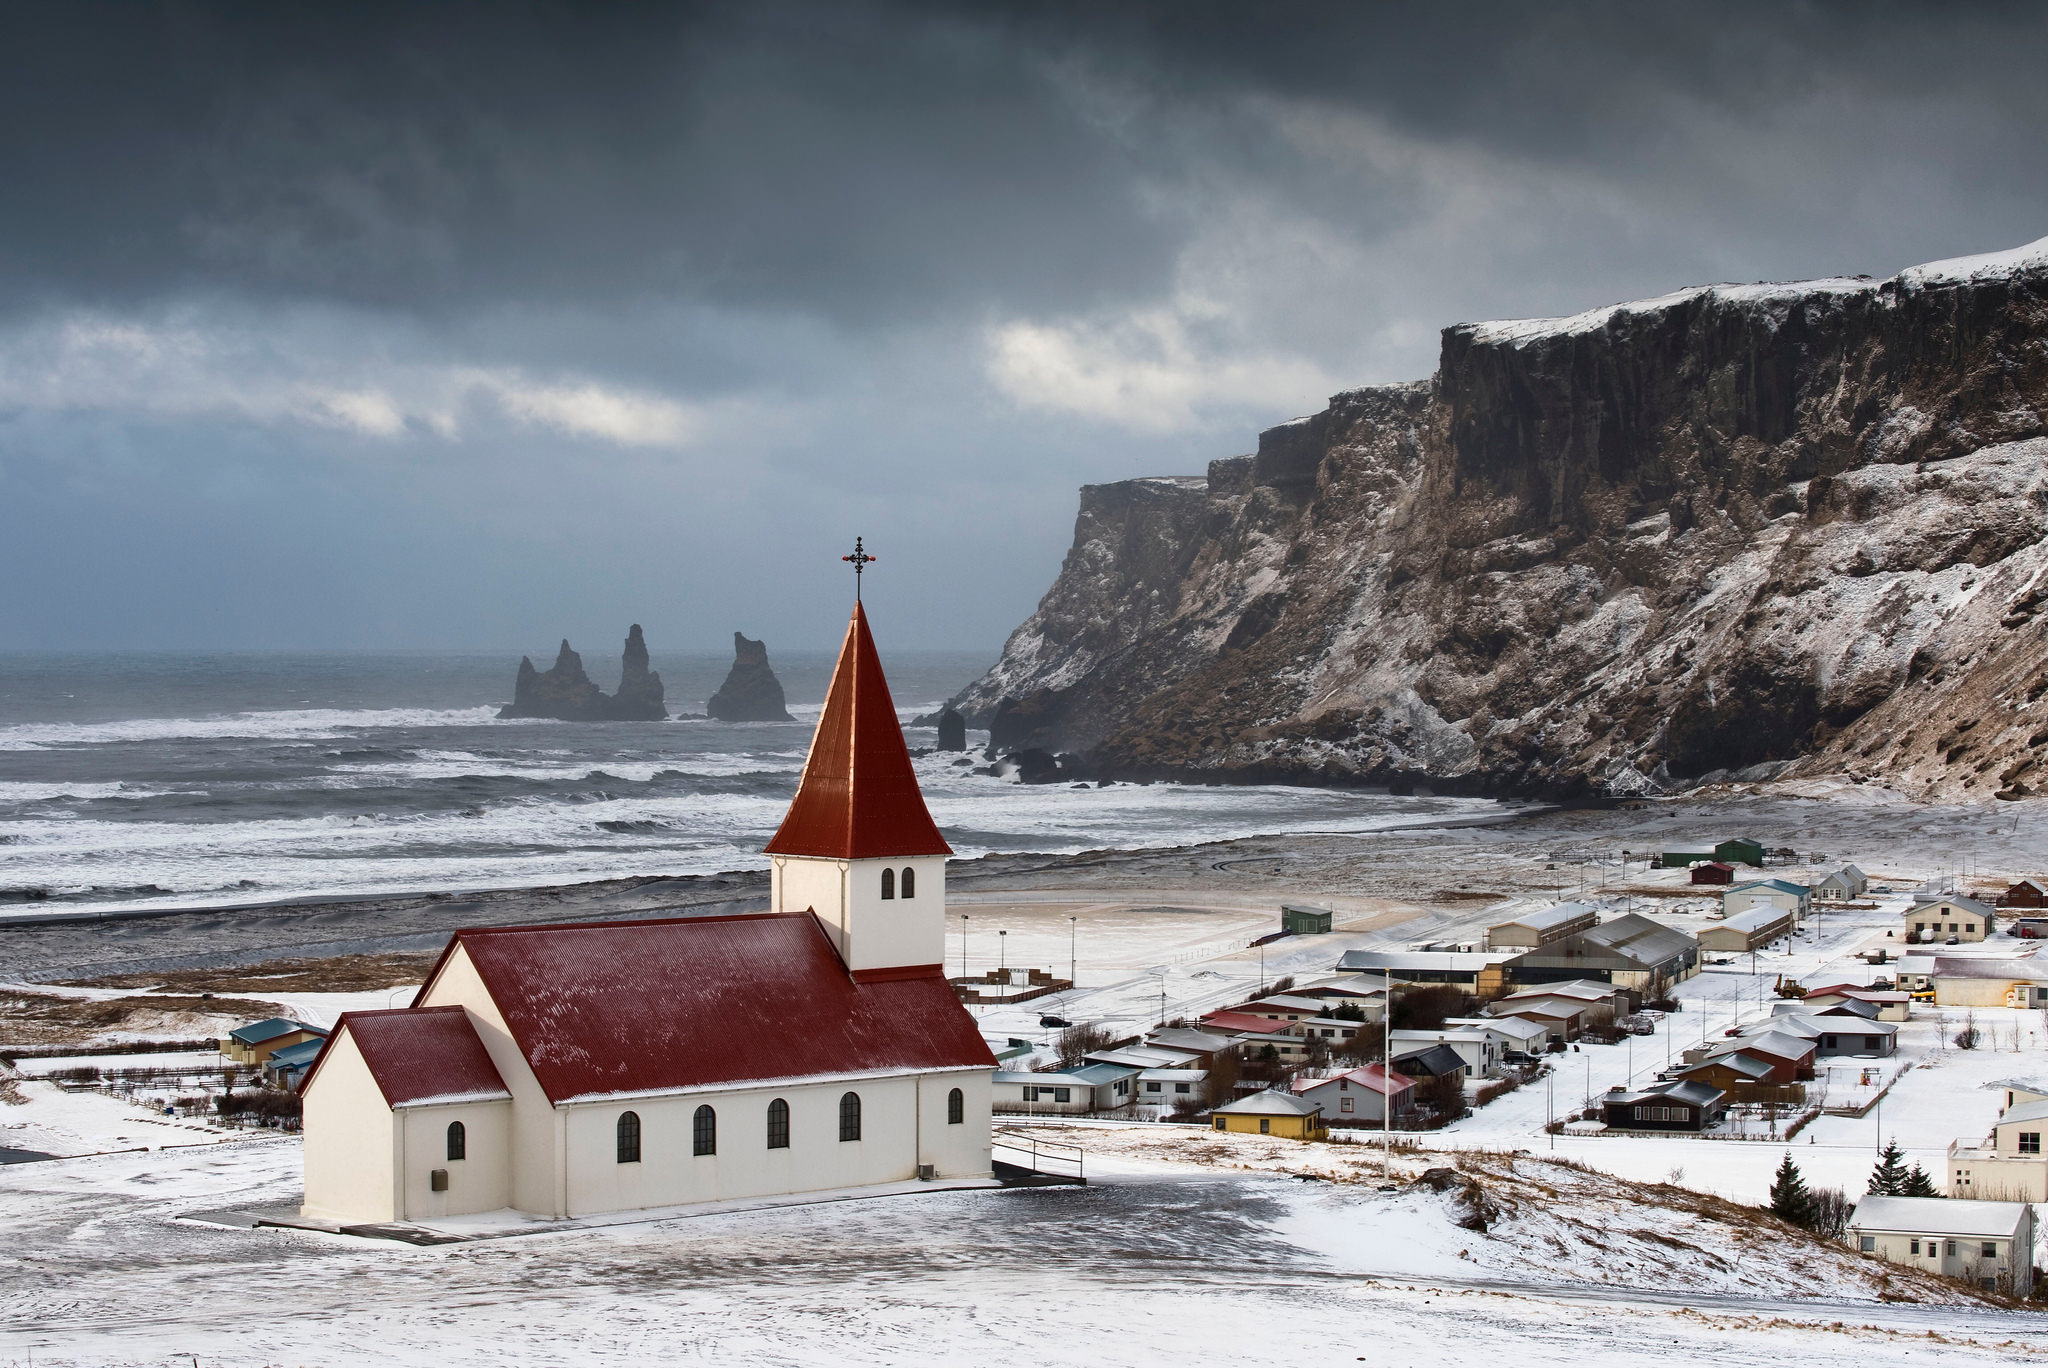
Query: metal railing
point(1042, 1155)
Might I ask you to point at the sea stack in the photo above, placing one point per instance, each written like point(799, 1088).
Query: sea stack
point(751, 692)
point(952, 730)
point(565, 693)
point(639, 696)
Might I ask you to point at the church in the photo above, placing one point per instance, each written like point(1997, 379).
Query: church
point(571, 1070)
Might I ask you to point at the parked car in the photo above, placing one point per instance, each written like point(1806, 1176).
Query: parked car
point(1053, 1023)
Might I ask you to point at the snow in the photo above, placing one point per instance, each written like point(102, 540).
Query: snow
point(1958, 270)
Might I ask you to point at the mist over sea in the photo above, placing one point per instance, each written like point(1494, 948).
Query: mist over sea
point(132, 779)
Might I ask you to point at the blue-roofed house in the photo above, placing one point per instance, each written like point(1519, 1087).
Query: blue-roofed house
point(287, 1066)
point(257, 1041)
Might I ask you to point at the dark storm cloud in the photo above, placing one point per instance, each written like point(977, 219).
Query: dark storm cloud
point(853, 159)
point(486, 322)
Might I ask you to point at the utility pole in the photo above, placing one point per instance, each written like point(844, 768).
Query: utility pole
point(1073, 932)
point(963, 945)
point(1386, 1073)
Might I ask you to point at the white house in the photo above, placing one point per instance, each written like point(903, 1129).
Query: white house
point(1844, 885)
point(1479, 1048)
point(1512, 1033)
point(1782, 894)
point(1958, 919)
point(2010, 1165)
point(574, 1069)
point(1358, 1097)
point(1987, 1243)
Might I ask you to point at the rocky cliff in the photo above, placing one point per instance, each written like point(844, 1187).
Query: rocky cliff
point(565, 693)
point(1738, 529)
point(751, 692)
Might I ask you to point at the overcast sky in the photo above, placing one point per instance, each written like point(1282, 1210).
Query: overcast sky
point(481, 325)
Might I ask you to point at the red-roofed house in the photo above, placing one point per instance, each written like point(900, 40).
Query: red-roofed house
point(568, 1070)
point(1357, 1097)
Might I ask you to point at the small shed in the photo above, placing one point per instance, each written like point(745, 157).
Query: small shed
point(1297, 920)
point(1271, 1113)
point(1713, 872)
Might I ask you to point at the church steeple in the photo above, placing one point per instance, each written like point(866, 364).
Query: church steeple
point(858, 847)
point(858, 798)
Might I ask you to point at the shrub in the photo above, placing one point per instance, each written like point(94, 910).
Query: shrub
point(1830, 1208)
point(1081, 1039)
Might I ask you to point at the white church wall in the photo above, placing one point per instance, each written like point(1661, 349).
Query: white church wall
point(479, 1181)
point(960, 1151)
point(800, 884)
point(891, 1146)
point(534, 1130)
point(898, 931)
point(350, 1144)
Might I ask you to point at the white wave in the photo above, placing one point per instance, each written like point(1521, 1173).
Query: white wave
point(25, 791)
point(300, 724)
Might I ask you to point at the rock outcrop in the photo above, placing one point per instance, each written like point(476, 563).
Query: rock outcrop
point(1739, 530)
point(751, 692)
point(952, 730)
point(565, 693)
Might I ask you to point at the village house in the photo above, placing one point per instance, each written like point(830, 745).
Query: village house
point(1987, 1243)
point(1750, 930)
point(1891, 1004)
point(1915, 973)
point(1479, 1049)
point(1838, 1031)
point(1436, 1062)
point(1958, 919)
point(1732, 1072)
point(1530, 930)
point(1712, 872)
point(1271, 1113)
point(565, 1070)
point(1179, 1088)
point(1462, 967)
point(1679, 1105)
point(1201, 1047)
point(1987, 981)
point(1846, 884)
point(1629, 951)
point(1359, 1096)
point(2010, 1165)
point(2031, 893)
point(1793, 899)
point(257, 1041)
point(1514, 1034)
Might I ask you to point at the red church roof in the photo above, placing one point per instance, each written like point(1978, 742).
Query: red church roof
point(418, 1053)
point(648, 1006)
point(858, 798)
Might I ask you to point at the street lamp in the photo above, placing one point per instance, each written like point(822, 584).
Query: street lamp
point(1073, 931)
point(963, 945)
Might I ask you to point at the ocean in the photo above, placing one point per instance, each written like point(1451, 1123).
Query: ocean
point(138, 779)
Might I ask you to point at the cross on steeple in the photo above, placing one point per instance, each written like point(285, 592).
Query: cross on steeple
point(860, 560)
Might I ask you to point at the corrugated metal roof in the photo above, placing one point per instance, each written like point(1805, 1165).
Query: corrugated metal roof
point(1268, 1103)
point(858, 798)
point(1938, 1216)
point(256, 1032)
point(612, 1007)
point(416, 1053)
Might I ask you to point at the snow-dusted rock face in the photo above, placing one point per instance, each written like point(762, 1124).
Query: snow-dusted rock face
point(1726, 530)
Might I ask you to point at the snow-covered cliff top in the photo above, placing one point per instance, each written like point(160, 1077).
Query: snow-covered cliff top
point(1992, 266)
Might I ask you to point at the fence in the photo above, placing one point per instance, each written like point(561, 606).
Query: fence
point(1041, 1155)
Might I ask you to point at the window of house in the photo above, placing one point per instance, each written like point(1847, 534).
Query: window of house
point(849, 1117)
point(629, 1137)
point(1180, 1087)
point(2030, 1142)
point(1919, 926)
point(1265, 1126)
point(1344, 1103)
point(909, 882)
point(1951, 1246)
point(1868, 1244)
point(956, 1108)
point(1152, 1087)
point(704, 1132)
point(1062, 1094)
point(778, 1124)
point(1969, 926)
point(1219, 1123)
point(458, 1140)
point(1914, 1248)
point(1989, 1251)
point(888, 885)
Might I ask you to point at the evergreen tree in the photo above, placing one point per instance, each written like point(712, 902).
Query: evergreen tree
point(1918, 1184)
point(1790, 1201)
point(1888, 1179)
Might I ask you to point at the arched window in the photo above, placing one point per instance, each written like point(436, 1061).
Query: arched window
point(956, 1107)
point(888, 884)
point(458, 1141)
point(778, 1124)
point(629, 1137)
point(849, 1117)
point(909, 882)
point(704, 1132)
